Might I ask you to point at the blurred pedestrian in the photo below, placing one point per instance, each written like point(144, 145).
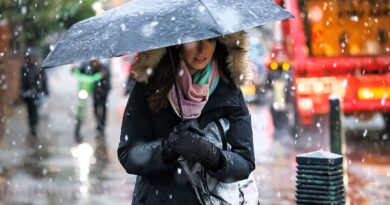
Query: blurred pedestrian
point(100, 94)
point(94, 78)
point(33, 87)
point(153, 135)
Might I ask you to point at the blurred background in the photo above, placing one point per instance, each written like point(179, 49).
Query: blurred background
point(332, 49)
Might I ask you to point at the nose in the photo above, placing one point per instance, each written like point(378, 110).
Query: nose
point(201, 45)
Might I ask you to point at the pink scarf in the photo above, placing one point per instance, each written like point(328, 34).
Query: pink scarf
point(193, 97)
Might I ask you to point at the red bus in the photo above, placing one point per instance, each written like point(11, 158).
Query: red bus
point(331, 47)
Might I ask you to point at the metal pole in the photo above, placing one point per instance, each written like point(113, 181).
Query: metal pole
point(335, 126)
point(337, 138)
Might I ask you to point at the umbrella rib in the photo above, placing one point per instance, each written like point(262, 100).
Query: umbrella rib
point(212, 16)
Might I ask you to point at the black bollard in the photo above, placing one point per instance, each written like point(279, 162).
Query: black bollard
point(335, 126)
point(320, 179)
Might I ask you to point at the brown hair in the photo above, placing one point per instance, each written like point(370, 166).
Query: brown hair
point(161, 80)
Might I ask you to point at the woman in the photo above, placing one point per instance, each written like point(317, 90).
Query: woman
point(209, 73)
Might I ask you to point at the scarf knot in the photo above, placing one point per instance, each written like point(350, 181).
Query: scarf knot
point(194, 91)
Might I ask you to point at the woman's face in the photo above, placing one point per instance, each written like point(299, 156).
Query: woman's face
point(198, 54)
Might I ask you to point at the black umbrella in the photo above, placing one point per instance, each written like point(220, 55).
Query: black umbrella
point(142, 25)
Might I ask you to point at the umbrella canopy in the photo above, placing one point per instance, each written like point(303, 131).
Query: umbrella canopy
point(142, 25)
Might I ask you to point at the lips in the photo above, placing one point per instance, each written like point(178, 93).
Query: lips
point(200, 59)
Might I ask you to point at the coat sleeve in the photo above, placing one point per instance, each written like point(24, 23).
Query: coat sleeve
point(137, 153)
point(239, 162)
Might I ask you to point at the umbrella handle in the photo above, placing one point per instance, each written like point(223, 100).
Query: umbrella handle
point(176, 85)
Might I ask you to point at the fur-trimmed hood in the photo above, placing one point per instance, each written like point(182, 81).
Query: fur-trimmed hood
point(237, 59)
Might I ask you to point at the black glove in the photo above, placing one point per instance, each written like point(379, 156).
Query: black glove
point(169, 155)
point(189, 141)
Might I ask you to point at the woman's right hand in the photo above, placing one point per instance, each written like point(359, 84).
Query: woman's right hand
point(189, 141)
point(185, 128)
point(170, 144)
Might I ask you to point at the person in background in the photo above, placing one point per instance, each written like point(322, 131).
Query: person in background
point(100, 94)
point(33, 87)
point(94, 78)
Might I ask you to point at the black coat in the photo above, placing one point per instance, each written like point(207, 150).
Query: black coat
point(33, 82)
point(139, 149)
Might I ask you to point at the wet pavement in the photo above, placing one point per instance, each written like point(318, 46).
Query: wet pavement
point(53, 169)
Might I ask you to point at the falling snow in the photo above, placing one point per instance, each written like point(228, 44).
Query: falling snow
point(53, 164)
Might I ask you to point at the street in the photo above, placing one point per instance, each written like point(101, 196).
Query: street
point(53, 169)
